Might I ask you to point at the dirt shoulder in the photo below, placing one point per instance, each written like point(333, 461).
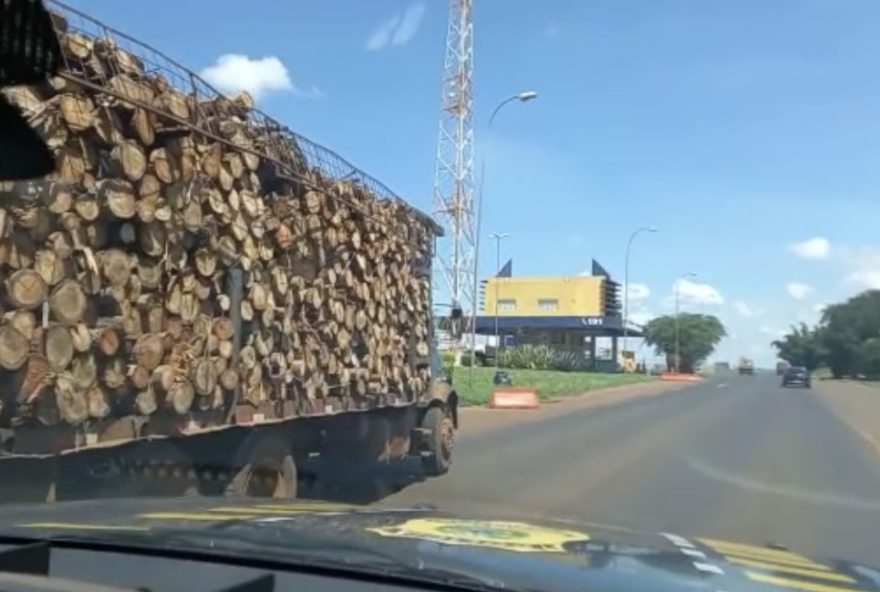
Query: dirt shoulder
point(856, 404)
point(480, 419)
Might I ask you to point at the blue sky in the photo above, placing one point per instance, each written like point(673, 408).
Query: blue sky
point(740, 128)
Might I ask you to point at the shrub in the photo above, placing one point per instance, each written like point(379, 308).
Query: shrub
point(532, 357)
point(448, 358)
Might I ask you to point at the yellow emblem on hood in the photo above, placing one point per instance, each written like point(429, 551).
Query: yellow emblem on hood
point(496, 534)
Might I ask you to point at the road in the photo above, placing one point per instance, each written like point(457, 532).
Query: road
point(735, 457)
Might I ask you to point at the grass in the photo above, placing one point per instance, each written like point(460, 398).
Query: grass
point(550, 384)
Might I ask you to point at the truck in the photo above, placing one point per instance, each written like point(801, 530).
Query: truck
point(200, 299)
point(746, 366)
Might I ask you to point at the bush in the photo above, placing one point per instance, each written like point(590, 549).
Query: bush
point(541, 357)
point(532, 357)
point(467, 361)
point(448, 358)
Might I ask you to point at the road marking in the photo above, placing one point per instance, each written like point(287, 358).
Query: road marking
point(693, 553)
point(761, 553)
point(743, 482)
point(796, 584)
point(798, 571)
point(678, 541)
point(722, 385)
point(709, 568)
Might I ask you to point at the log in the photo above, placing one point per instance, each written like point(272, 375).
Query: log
point(181, 395)
point(204, 376)
point(68, 302)
point(148, 351)
point(98, 402)
point(58, 347)
point(145, 401)
point(81, 337)
point(113, 374)
point(84, 371)
point(116, 267)
point(22, 321)
point(50, 266)
point(139, 376)
point(77, 111)
point(71, 401)
point(119, 198)
point(26, 289)
point(13, 348)
point(130, 159)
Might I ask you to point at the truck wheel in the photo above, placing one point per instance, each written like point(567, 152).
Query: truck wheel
point(268, 471)
point(440, 439)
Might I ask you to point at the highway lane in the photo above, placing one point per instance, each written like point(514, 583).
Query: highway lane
point(736, 458)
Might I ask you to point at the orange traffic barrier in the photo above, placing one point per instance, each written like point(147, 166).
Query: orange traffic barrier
point(672, 376)
point(513, 397)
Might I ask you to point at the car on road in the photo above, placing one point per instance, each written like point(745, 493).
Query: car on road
point(796, 376)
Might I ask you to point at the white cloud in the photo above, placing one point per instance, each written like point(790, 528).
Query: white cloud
point(797, 290)
point(771, 331)
point(381, 35)
point(640, 317)
point(815, 248)
point(409, 24)
point(698, 293)
point(743, 309)
point(233, 72)
point(399, 29)
point(819, 308)
point(638, 292)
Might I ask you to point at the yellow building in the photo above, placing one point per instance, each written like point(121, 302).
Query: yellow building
point(565, 313)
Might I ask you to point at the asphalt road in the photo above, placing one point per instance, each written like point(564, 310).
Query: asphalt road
point(737, 458)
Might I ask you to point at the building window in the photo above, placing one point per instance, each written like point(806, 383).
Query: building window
point(548, 304)
point(506, 305)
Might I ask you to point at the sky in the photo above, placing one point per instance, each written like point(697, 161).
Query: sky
point(746, 131)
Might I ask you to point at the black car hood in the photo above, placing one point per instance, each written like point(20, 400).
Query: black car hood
point(505, 554)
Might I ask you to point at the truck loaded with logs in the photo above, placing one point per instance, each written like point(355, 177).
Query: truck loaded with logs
point(201, 294)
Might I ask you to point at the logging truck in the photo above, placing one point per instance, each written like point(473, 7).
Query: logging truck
point(199, 296)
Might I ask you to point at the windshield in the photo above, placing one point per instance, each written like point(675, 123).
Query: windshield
point(557, 263)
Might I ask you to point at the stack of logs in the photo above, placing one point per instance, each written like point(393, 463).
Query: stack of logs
point(115, 291)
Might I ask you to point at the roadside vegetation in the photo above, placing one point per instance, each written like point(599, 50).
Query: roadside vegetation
point(552, 374)
point(474, 385)
point(846, 340)
point(698, 335)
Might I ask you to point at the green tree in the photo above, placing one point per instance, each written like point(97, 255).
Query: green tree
point(803, 346)
point(845, 332)
point(699, 334)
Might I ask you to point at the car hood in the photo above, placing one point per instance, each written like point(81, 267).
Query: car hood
point(509, 554)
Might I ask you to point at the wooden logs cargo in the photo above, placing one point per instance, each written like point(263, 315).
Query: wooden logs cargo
point(175, 215)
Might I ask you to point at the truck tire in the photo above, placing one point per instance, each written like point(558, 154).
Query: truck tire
point(267, 470)
point(439, 439)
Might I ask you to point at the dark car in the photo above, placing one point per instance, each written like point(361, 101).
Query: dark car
point(796, 376)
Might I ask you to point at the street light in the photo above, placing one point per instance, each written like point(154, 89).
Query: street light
point(677, 312)
point(626, 279)
point(522, 97)
point(498, 238)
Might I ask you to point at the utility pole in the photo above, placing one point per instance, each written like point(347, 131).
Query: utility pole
point(454, 168)
point(498, 238)
point(626, 280)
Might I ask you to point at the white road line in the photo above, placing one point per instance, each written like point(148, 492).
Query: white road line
point(797, 493)
point(678, 541)
point(694, 553)
point(722, 385)
point(708, 567)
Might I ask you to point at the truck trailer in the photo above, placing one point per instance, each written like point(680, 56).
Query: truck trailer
point(200, 297)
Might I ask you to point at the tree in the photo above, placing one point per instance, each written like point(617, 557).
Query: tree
point(803, 346)
point(845, 332)
point(698, 336)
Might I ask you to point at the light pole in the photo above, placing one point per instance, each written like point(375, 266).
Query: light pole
point(498, 238)
point(677, 312)
point(632, 237)
point(522, 97)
